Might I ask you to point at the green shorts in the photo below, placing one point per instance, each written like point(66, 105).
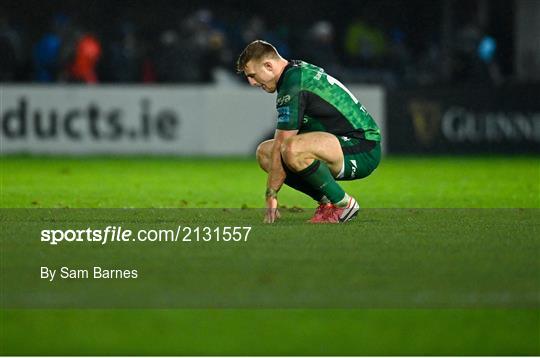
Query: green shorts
point(361, 157)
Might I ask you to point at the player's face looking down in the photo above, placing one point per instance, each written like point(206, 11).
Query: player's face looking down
point(262, 74)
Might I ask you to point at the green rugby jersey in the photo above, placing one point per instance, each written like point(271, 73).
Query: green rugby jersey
point(310, 100)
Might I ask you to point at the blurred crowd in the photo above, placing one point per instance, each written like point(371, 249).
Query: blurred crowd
point(202, 48)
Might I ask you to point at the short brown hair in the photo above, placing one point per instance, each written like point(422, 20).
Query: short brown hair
point(256, 50)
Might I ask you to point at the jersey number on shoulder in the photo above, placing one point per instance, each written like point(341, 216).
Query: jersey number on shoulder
point(334, 81)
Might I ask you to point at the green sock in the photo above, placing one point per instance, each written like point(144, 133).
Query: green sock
point(296, 182)
point(318, 176)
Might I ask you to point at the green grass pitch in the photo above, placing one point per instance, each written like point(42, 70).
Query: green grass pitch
point(400, 182)
point(407, 182)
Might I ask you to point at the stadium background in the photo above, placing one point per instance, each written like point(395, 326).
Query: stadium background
point(136, 105)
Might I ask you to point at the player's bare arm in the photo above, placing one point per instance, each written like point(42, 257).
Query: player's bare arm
point(276, 174)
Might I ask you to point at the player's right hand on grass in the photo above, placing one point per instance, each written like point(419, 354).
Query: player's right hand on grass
point(272, 212)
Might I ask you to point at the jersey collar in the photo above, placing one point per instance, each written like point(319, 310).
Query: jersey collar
point(292, 63)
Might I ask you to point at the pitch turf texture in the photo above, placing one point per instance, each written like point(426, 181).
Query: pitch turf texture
point(406, 281)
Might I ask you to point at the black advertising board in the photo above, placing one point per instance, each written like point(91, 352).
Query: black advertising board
point(458, 120)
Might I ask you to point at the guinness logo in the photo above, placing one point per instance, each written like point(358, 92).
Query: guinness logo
point(426, 118)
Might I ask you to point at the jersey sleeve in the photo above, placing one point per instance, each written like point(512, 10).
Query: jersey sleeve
point(290, 103)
